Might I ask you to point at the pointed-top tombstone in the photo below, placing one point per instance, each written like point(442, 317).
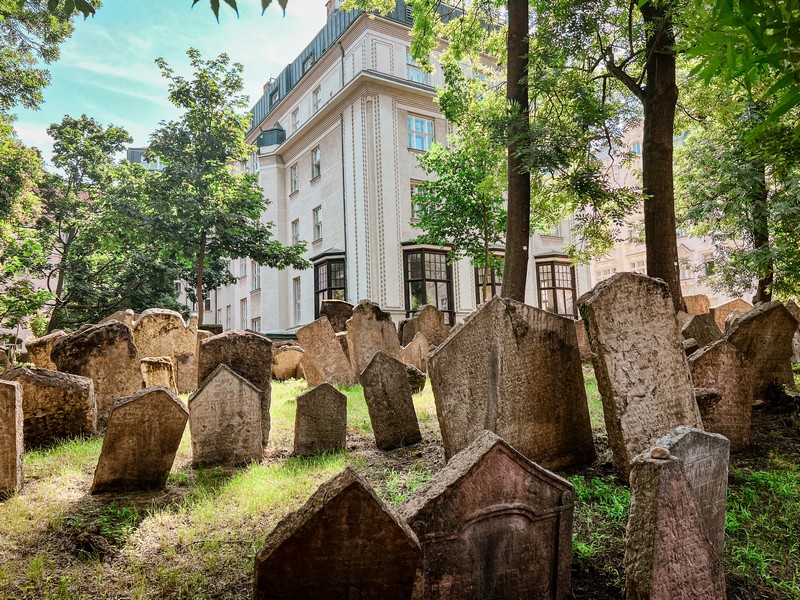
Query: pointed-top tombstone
point(323, 349)
point(320, 422)
point(344, 542)
point(493, 524)
point(370, 330)
point(11, 448)
point(429, 321)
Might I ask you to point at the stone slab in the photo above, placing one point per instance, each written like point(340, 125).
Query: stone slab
point(285, 361)
point(370, 330)
point(416, 352)
point(319, 341)
point(39, 349)
point(158, 371)
point(735, 307)
point(429, 321)
point(702, 328)
point(11, 438)
point(338, 312)
point(697, 304)
point(320, 423)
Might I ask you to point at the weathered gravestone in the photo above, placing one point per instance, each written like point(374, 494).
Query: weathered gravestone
point(185, 372)
point(126, 316)
point(344, 542)
point(668, 555)
point(721, 367)
point(322, 348)
point(370, 330)
point(429, 321)
point(416, 352)
point(388, 396)
point(39, 349)
point(705, 459)
point(641, 368)
point(736, 308)
point(11, 442)
point(697, 304)
point(158, 371)
point(702, 328)
point(308, 370)
point(162, 332)
point(247, 353)
point(584, 348)
point(55, 405)
point(792, 307)
point(225, 420)
point(107, 355)
point(338, 312)
point(142, 438)
point(285, 361)
point(492, 524)
point(514, 370)
point(320, 422)
point(416, 379)
point(764, 335)
point(202, 335)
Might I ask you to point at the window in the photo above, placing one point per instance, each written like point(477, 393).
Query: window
point(428, 280)
point(680, 232)
point(243, 313)
point(708, 266)
point(295, 119)
point(255, 324)
point(296, 299)
point(605, 272)
point(557, 288)
point(228, 318)
point(274, 96)
point(207, 304)
point(255, 276)
point(308, 62)
point(495, 283)
point(316, 159)
point(414, 190)
point(178, 288)
point(684, 269)
point(295, 231)
point(317, 216)
point(219, 316)
point(242, 267)
point(294, 182)
point(252, 163)
point(636, 148)
point(554, 232)
point(316, 99)
point(329, 283)
point(420, 133)
point(414, 72)
point(638, 266)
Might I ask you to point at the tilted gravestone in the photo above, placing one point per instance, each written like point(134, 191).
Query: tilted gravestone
point(638, 357)
point(56, 406)
point(391, 409)
point(416, 352)
point(225, 420)
point(697, 304)
point(668, 555)
point(323, 349)
point(307, 370)
point(584, 348)
point(764, 335)
point(247, 353)
point(736, 308)
point(39, 349)
point(344, 542)
point(285, 361)
point(370, 330)
point(492, 524)
point(158, 371)
point(514, 370)
point(702, 328)
point(721, 367)
point(163, 332)
point(143, 434)
point(429, 321)
point(338, 312)
point(416, 379)
point(107, 355)
point(11, 442)
point(320, 422)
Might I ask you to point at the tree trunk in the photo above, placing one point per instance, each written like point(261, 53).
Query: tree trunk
point(515, 270)
point(660, 97)
point(53, 322)
point(760, 235)
point(487, 273)
point(199, 290)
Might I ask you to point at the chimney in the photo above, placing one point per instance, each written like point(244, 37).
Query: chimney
point(270, 81)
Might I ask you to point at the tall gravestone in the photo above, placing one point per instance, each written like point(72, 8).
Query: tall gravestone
point(429, 321)
point(225, 420)
point(142, 438)
point(641, 368)
point(39, 349)
point(344, 542)
point(163, 332)
point(338, 312)
point(370, 330)
point(319, 342)
point(11, 441)
point(514, 370)
point(247, 353)
point(320, 422)
point(492, 524)
point(391, 409)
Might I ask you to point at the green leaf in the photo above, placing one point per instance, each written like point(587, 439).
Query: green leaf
point(265, 5)
point(232, 4)
point(215, 8)
point(283, 4)
point(52, 5)
point(85, 8)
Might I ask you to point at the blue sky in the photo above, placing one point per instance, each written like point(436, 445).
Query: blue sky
point(106, 69)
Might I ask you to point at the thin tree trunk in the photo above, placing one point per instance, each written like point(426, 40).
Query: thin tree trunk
point(199, 290)
point(53, 322)
point(760, 235)
point(515, 270)
point(486, 270)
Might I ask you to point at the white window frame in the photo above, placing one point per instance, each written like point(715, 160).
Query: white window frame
point(420, 133)
point(255, 279)
point(316, 216)
point(413, 70)
point(228, 317)
point(242, 267)
point(243, 313)
point(295, 231)
point(294, 180)
point(219, 316)
point(296, 291)
point(308, 62)
point(316, 163)
point(316, 99)
point(255, 324)
point(295, 119)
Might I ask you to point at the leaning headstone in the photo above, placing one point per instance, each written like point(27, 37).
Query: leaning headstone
point(157, 371)
point(225, 420)
point(388, 396)
point(39, 349)
point(285, 361)
point(416, 352)
point(143, 434)
point(736, 308)
point(247, 353)
point(493, 524)
point(370, 330)
point(56, 406)
point(721, 367)
point(514, 370)
point(690, 346)
point(344, 542)
point(584, 348)
point(641, 368)
point(322, 347)
point(764, 335)
point(308, 370)
point(668, 554)
point(416, 379)
point(429, 321)
point(338, 312)
point(107, 355)
point(320, 422)
point(702, 328)
point(11, 442)
point(697, 304)
point(214, 328)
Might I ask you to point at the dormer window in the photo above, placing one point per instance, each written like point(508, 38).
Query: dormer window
point(308, 62)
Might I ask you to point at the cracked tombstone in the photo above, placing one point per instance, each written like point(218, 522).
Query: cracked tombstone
point(163, 332)
point(320, 422)
point(371, 330)
point(143, 434)
point(638, 357)
point(344, 542)
point(323, 349)
point(493, 524)
point(497, 372)
point(11, 438)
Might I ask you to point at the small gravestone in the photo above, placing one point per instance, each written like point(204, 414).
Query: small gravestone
point(157, 371)
point(416, 352)
point(492, 524)
point(584, 348)
point(143, 434)
point(702, 328)
point(391, 409)
point(514, 370)
point(638, 357)
point(107, 355)
point(323, 349)
point(721, 367)
point(56, 406)
point(370, 330)
point(320, 422)
point(344, 542)
point(247, 353)
point(429, 321)
point(667, 552)
point(185, 372)
point(705, 459)
point(697, 304)
point(39, 349)
point(338, 312)
point(225, 420)
point(285, 361)
point(11, 442)
point(736, 308)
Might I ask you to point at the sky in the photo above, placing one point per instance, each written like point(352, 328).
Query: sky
point(106, 69)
